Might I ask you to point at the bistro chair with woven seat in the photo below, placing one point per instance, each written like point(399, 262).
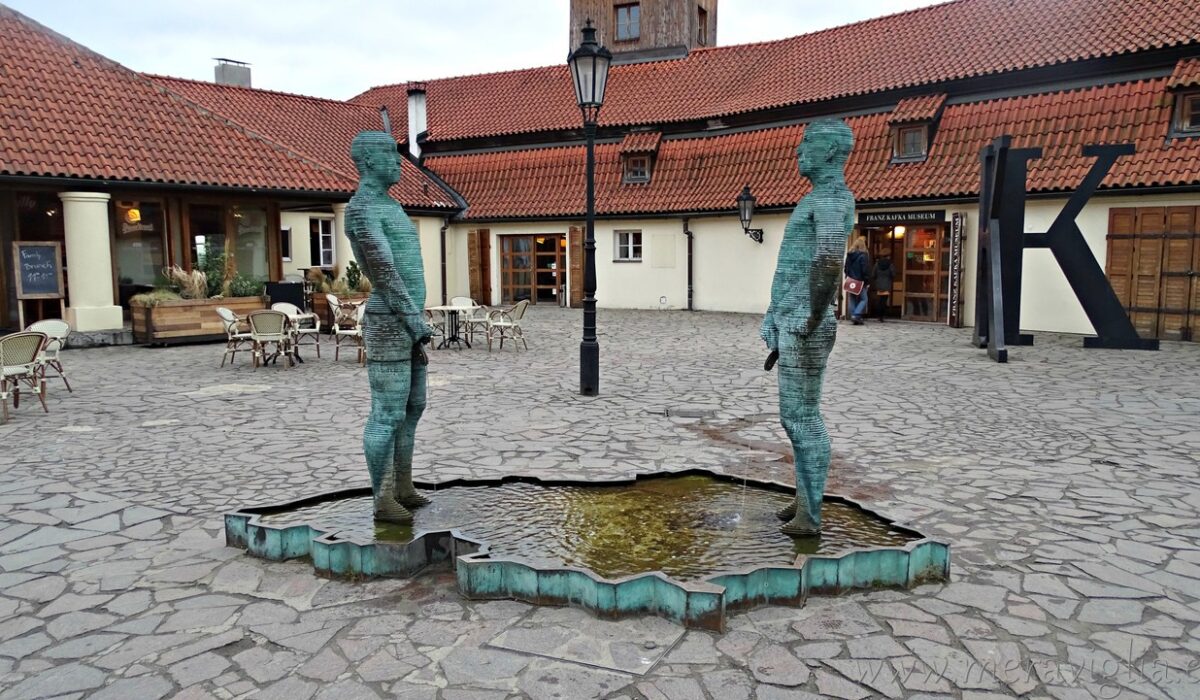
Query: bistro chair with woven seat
point(267, 328)
point(56, 331)
point(506, 323)
point(347, 327)
point(19, 365)
point(470, 320)
point(437, 321)
point(304, 325)
point(235, 336)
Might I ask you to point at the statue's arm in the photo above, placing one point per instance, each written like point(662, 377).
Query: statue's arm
point(827, 261)
point(769, 331)
point(372, 248)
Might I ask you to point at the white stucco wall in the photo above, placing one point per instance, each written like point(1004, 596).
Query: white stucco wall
point(662, 272)
point(730, 271)
point(298, 223)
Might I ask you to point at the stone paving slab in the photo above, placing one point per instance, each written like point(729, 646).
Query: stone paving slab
point(1065, 481)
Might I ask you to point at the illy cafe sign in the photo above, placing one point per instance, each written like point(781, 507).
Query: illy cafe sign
point(893, 218)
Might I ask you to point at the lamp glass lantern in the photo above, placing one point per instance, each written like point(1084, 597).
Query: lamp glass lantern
point(589, 71)
point(745, 204)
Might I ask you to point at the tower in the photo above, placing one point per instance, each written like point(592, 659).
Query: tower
point(647, 30)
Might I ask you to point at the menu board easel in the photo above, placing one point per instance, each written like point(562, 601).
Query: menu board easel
point(39, 271)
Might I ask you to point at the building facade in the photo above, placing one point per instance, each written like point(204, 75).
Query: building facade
point(498, 194)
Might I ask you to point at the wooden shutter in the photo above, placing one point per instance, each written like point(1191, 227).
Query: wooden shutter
point(1122, 225)
point(1177, 266)
point(1147, 270)
point(473, 266)
point(575, 273)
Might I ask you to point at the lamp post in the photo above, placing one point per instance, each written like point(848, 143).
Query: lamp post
point(745, 204)
point(589, 70)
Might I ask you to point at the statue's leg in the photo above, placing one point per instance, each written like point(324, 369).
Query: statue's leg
point(406, 493)
point(389, 391)
point(801, 374)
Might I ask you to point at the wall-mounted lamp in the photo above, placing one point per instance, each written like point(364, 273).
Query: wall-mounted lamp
point(745, 204)
point(52, 212)
point(899, 231)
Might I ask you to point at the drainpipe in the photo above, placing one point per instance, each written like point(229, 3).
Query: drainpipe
point(445, 225)
point(688, 232)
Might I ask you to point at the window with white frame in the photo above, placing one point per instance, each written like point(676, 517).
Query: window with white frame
point(911, 142)
point(628, 246)
point(637, 169)
point(320, 235)
point(628, 21)
point(1187, 113)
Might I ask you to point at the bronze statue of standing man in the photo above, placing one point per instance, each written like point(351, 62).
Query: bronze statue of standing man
point(799, 325)
point(386, 245)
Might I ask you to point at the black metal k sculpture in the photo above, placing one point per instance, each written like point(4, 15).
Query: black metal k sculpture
point(1002, 242)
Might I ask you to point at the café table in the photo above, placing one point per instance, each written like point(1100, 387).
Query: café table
point(452, 335)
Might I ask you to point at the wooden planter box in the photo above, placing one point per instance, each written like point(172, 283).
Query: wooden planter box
point(187, 320)
point(321, 308)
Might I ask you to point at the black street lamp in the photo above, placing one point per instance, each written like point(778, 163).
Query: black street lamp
point(589, 70)
point(745, 204)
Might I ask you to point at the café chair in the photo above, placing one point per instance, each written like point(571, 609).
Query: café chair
point(19, 365)
point(235, 337)
point(57, 331)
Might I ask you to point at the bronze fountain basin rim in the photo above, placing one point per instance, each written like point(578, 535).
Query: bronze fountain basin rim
point(253, 516)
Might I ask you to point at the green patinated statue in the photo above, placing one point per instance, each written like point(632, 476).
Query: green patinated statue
point(385, 242)
point(799, 327)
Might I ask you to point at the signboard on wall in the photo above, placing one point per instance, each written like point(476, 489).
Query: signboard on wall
point(38, 268)
point(893, 218)
point(958, 231)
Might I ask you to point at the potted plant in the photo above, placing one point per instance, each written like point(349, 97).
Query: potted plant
point(184, 309)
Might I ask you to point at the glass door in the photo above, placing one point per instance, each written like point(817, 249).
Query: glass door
point(516, 268)
point(551, 268)
point(533, 268)
point(922, 273)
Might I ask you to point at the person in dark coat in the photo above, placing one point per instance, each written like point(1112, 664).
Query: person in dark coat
point(857, 266)
point(883, 276)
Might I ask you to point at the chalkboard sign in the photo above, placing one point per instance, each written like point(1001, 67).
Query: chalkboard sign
point(39, 270)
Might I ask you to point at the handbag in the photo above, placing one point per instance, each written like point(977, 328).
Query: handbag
point(853, 286)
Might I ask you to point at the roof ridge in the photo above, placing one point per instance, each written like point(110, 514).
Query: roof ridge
point(224, 86)
point(406, 83)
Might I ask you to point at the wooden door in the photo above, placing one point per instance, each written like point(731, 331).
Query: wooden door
point(1154, 267)
point(925, 275)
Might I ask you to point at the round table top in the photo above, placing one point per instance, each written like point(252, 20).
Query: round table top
point(451, 307)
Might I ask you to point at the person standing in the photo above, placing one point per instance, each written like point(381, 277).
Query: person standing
point(857, 265)
point(883, 276)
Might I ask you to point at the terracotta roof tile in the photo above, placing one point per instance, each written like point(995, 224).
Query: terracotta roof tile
point(829, 64)
point(705, 174)
point(1186, 75)
point(66, 111)
point(918, 109)
point(641, 142)
point(317, 128)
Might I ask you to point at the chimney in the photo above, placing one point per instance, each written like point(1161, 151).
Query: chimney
point(231, 72)
point(416, 117)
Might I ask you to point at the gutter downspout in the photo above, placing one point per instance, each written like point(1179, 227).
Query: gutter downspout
point(445, 225)
point(690, 240)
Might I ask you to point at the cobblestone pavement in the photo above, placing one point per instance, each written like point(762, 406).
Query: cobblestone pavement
point(1066, 482)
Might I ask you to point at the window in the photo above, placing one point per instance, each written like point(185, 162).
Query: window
point(701, 26)
point(910, 142)
point(320, 241)
point(628, 246)
point(628, 20)
point(285, 244)
point(637, 169)
point(1187, 117)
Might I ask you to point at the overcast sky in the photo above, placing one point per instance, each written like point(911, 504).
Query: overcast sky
point(340, 48)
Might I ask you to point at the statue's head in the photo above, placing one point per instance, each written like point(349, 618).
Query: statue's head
point(374, 154)
point(824, 149)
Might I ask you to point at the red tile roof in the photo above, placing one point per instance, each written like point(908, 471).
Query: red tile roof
point(641, 142)
point(918, 109)
point(1186, 75)
point(939, 43)
point(705, 174)
point(66, 111)
point(319, 129)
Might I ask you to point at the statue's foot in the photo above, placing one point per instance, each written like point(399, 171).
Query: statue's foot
point(412, 499)
point(392, 512)
point(787, 513)
point(800, 526)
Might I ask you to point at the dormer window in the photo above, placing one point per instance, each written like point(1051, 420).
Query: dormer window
point(637, 168)
point(912, 143)
point(1187, 113)
point(638, 150)
point(913, 123)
